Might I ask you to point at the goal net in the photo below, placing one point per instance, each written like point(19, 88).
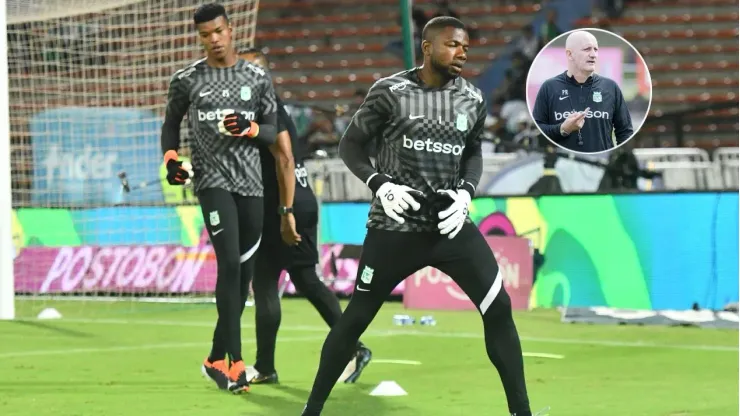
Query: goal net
point(88, 87)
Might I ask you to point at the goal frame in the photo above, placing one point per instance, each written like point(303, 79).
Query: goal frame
point(7, 279)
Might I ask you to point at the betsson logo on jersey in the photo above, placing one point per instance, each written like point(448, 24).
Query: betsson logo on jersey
point(220, 113)
point(589, 114)
point(431, 146)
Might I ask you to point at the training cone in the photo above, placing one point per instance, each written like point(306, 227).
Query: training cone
point(49, 313)
point(388, 388)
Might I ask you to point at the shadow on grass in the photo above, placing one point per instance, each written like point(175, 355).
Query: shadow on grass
point(53, 328)
point(352, 399)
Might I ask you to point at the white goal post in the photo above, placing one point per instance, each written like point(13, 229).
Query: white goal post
point(7, 292)
point(87, 88)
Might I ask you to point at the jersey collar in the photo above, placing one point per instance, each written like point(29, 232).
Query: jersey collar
point(414, 76)
point(572, 79)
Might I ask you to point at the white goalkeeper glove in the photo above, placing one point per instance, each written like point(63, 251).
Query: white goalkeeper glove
point(453, 218)
point(396, 199)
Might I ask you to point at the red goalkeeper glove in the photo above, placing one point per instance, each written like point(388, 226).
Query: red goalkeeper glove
point(235, 124)
point(178, 172)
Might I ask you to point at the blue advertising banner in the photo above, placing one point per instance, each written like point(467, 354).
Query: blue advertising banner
point(78, 153)
point(641, 251)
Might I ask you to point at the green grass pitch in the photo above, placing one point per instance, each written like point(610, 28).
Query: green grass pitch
point(130, 358)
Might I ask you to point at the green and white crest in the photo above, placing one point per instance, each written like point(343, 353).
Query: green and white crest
point(246, 93)
point(461, 122)
point(367, 275)
point(214, 218)
point(597, 96)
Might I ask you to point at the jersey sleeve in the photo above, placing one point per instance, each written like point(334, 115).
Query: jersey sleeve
point(178, 101)
point(623, 129)
point(366, 124)
point(541, 112)
point(268, 99)
point(282, 119)
point(471, 164)
point(267, 116)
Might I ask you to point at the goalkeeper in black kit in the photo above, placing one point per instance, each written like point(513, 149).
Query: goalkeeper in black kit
point(231, 108)
point(300, 211)
point(426, 123)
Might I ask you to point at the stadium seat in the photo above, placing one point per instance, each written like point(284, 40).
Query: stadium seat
point(691, 49)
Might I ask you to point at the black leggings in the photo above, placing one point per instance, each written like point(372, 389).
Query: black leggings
point(267, 303)
point(388, 257)
point(234, 224)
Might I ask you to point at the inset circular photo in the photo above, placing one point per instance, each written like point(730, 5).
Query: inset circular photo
point(589, 91)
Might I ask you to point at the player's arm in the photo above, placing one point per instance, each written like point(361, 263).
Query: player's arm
point(268, 116)
point(366, 124)
point(178, 101)
point(282, 151)
point(264, 129)
point(541, 113)
point(622, 121)
point(471, 162)
point(285, 169)
point(453, 218)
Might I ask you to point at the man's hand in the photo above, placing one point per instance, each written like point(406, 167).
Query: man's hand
point(574, 121)
point(453, 218)
point(178, 172)
point(396, 199)
point(288, 231)
point(235, 124)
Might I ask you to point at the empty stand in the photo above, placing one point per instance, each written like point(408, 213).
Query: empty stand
point(690, 47)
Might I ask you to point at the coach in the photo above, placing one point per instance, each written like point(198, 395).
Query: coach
point(580, 109)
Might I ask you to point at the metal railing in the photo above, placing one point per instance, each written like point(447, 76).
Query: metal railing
point(726, 159)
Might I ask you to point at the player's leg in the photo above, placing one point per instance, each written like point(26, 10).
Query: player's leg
point(250, 214)
point(221, 220)
point(303, 260)
point(307, 282)
point(388, 257)
point(468, 260)
point(267, 312)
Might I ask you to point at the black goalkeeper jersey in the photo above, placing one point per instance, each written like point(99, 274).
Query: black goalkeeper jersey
point(206, 94)
point(426, 138)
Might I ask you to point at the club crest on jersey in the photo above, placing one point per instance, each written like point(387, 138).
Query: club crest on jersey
point(214, 218)
point(597, 96)
point(246, 93)
point(367, 275)
point(461, 122)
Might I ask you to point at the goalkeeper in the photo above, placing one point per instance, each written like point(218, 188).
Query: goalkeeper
point(300, 259)
point(231, 106)
point(426, 123)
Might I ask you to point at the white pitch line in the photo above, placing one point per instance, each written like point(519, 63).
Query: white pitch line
point(126, 348)
point(577, 341)
point(323, 329)
point(402, 362)
point(543, 355)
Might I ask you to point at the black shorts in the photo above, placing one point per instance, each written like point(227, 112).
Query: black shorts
point(304, 253)
point(389, 257)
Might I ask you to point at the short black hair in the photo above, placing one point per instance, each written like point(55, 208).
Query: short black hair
point(436, 25)
point(208, 12)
